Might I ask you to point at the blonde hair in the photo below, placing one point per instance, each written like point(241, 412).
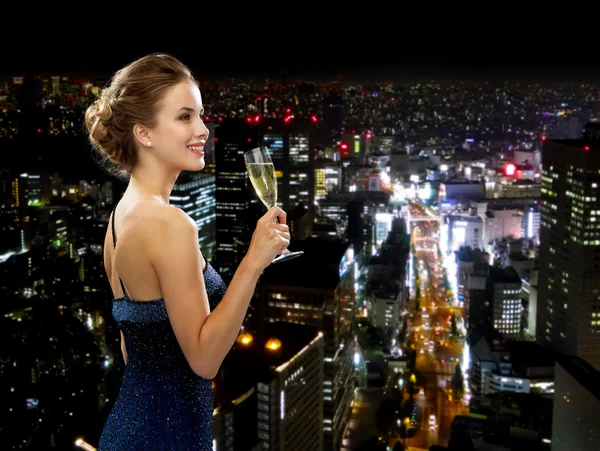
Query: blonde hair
point(132, 96)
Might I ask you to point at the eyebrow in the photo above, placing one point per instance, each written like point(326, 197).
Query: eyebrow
point(191, 110)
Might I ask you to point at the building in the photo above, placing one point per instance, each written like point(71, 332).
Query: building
point(352, 211)
point(505, 289)
point(463, 190)
point(521, 367)
point(463, 231)
point(497, 365)
point(575, 423)
point(529, 296)
point(481, 361)
point(523, 188)
point(328, 178)
point(195, 193)
point(356, 146)
point(477, 301)
point(387, 303)
point(233, 138)
point(569, 276)
point(530, 224)
point(501, 223)
point(12, 212)
point(291, 143)
point(269, 391)
point(317, 289)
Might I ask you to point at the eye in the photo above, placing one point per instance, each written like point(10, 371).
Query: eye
point(185, 117)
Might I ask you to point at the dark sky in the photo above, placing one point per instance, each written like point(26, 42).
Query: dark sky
point(370, 52)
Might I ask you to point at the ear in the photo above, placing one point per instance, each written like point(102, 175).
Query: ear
point(141, 134)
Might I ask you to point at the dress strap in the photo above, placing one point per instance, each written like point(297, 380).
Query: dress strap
point(114, 236)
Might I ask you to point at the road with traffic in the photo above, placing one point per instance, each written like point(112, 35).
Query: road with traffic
point(438, 349)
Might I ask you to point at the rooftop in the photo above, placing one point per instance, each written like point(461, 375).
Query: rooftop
point(526, 354)
point(461, 182)
point(582, 372)
point(256, 355)
point(504, 275)
point(319, 267)
point(518, 256)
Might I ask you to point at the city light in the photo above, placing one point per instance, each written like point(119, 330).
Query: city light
point(245, 339)
point(273, 344)
point(510, 170)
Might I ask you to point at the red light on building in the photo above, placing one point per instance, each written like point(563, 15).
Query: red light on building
point(543, 138)
point(249, 140)
point(287, 119)
point(586, 148)
point(344, 147)
point(249, 120)
point(313, 118)
point(256, 118)
point(510, 169)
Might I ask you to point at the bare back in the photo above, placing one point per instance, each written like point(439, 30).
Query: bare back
point(137, 235)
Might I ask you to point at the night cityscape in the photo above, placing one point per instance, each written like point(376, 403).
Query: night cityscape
point(448, 297)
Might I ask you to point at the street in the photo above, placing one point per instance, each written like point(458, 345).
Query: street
point(362, 420)
point(438, 350)
point(436, 338)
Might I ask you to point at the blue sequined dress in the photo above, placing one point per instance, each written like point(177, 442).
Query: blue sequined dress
point(162, 403)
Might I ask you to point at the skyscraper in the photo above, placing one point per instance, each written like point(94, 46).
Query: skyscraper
point(318, 290)
point(269, 390)
point(194, 193)
point(290, 142)
point(233, 138)
point(568, 312)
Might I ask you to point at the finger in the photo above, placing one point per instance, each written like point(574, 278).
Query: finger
point(276, 214)
point(285, 235)
point(284, 242)
point(282, 227)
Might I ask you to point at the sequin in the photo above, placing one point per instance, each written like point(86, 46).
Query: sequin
point(162, 403)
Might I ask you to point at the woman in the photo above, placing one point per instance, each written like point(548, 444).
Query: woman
point(177, 318)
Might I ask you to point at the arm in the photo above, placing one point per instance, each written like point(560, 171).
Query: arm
point(123, 349)
point(206, 337)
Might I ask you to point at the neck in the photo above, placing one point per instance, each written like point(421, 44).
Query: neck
point(151, 181)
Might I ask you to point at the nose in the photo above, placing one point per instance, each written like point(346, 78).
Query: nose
point(202, 131)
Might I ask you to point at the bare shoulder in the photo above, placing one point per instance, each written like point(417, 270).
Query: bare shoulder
point(163, 225)
point(157, 217)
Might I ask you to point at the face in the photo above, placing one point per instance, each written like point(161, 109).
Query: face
point(180, 135)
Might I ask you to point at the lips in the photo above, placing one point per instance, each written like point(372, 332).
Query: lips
point(197, 148)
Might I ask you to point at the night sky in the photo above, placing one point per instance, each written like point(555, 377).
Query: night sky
point(370, 50)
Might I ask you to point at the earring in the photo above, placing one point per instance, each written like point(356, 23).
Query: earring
point(149, 144)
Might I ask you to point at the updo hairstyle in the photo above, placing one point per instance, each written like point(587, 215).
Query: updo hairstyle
point(132, 97)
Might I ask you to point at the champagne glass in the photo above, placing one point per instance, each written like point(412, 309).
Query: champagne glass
point(262, 176)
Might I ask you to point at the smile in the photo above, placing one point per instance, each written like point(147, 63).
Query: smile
point(197, 150)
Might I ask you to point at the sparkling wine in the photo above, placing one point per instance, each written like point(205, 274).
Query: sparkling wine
point(262, 177)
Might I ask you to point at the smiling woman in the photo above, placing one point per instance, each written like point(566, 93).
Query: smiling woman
point(177, 318)
point(120, 119)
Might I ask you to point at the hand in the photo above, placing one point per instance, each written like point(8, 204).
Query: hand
point(269, 238)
